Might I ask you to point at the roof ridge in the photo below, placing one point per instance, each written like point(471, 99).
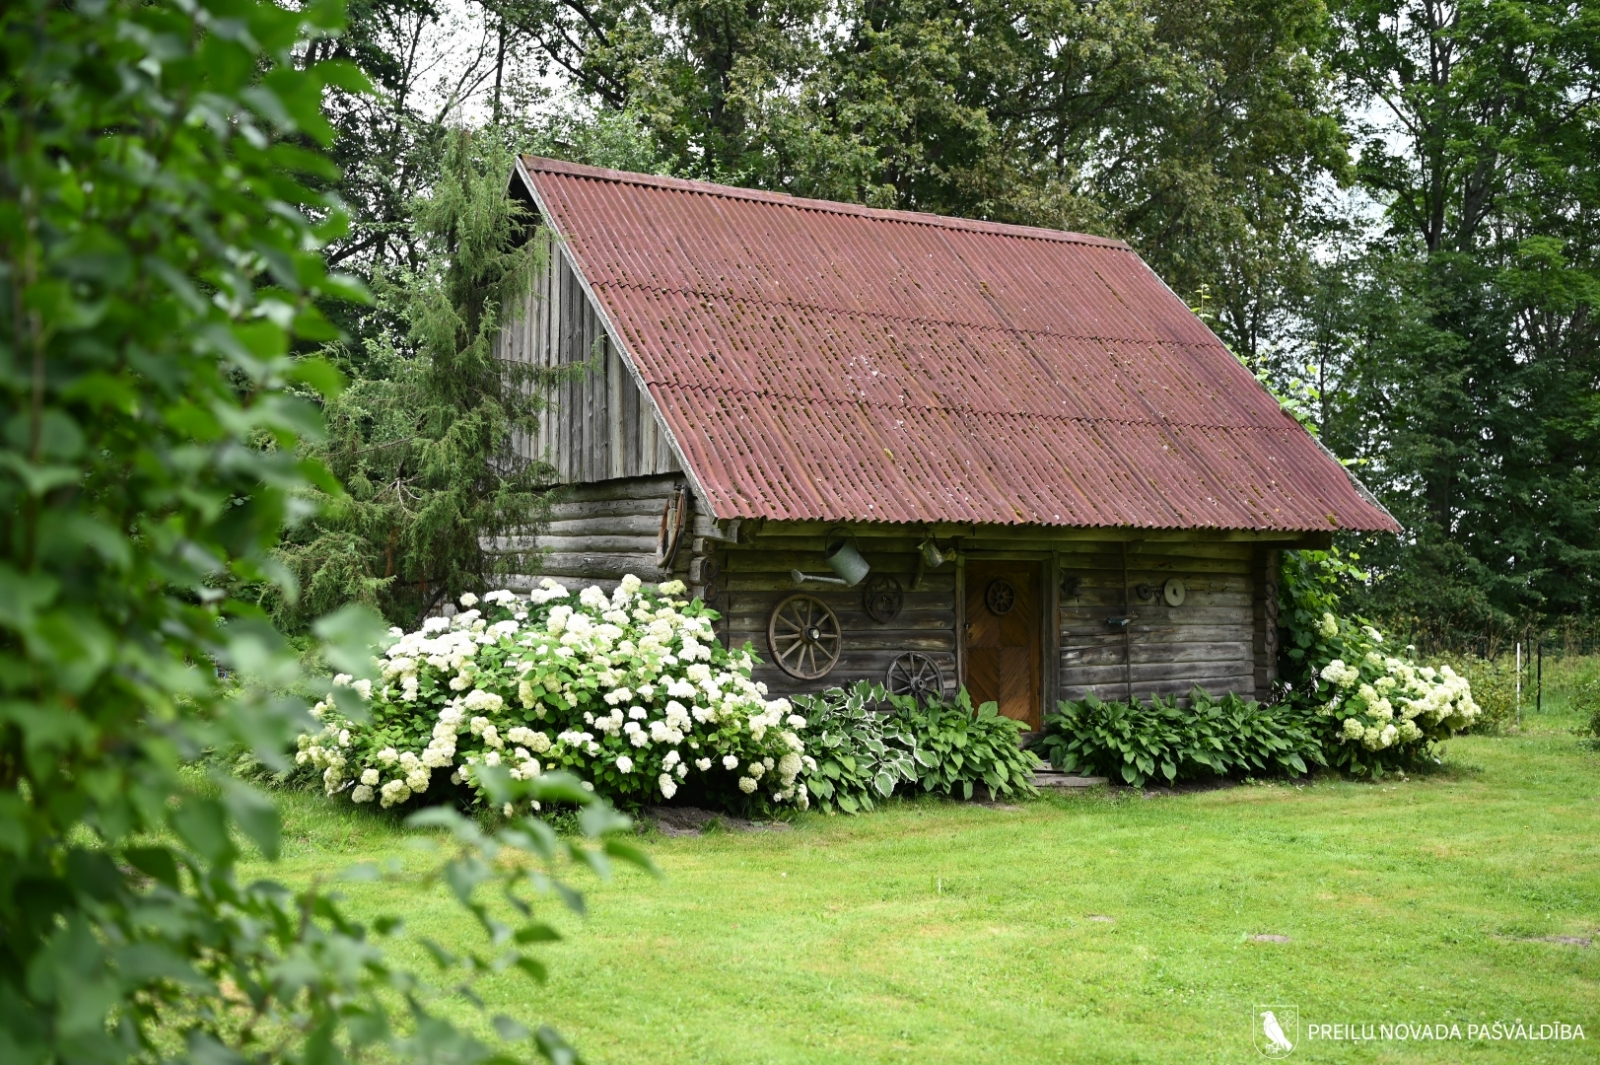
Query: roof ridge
point(765, 393)
point(547, 165)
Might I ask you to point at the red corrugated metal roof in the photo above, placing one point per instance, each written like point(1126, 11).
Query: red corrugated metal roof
point(818, 360)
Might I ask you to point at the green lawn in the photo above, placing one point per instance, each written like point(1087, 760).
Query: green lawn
point(941, 932)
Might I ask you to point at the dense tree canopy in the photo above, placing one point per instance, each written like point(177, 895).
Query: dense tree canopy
point(1385, 208)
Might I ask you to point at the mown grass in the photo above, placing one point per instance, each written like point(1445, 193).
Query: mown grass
point(943, 932)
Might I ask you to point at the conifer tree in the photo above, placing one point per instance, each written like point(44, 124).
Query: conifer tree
point(423, 441)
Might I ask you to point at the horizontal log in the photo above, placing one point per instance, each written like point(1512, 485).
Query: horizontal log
point(1079, 628)
point(1237, 612)
point(633, 488)
point(864, 659)
point(612, 566)
point(1147, 654)
point(599, 507)
point(1161, 551)
point(1149, 671)
point(707, 528)
point(1114, 646)
point(873, 669)
point(837, 599)
point(603, 524)
point(1198, 595)
point(1143, 691)
point(902, 556)
point(591, 544)
point(778, 584)
point(901, 565)
point(895, 641)
point(1111, 566)
point(941, 530)
point(853, 623)
point(869, 544)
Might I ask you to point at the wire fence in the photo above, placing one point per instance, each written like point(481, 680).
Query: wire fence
point(1535, 667)
point(1567, 638)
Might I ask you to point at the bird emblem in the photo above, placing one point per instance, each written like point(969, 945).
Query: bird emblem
point(1277, 1043)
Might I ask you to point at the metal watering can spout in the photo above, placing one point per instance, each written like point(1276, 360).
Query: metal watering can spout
point(801, 578)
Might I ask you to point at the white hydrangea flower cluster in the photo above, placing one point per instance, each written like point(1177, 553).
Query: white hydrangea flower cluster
point(630, 691)
point(1382, 701)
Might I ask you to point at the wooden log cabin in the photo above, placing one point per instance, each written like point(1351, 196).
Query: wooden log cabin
point(909, 449)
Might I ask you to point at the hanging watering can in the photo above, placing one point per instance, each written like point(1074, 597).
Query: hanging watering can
point(844, 559)
point(932, 557)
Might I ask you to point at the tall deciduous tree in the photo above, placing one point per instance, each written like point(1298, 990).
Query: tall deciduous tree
point(1473, 357)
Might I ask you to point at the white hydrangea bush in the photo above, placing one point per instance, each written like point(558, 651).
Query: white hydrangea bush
point(1382, 709)
point(630, 692)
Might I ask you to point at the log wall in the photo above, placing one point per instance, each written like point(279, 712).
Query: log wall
point(1223, 637)
point(599, 532)
point(1209, 641)
point(755, 578)
point(599, 423)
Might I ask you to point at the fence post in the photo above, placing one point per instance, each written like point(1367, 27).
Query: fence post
point(1538, 699)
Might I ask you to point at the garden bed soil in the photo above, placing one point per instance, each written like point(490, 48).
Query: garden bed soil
point(693, 821)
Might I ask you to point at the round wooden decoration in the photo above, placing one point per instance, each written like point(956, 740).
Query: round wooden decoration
point(1000, 597)
point(805, 637)
point(1174, 591)
point(883, 598)
point(916, 675)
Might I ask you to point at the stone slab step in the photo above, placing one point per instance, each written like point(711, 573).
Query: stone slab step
point(1049, 779)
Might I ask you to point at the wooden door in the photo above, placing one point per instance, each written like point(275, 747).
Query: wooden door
point(1004, 638)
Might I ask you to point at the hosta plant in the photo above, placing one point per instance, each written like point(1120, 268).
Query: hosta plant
point(1159, 739)
point(958, 747)
point(630, 692)
point(859, 754)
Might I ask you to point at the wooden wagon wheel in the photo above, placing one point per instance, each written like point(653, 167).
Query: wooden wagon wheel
point(672, 517)
point(883, 598)
point(1000, 597)
point(916, 675)
point(805, 637)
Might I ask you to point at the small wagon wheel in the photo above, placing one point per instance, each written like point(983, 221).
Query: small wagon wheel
point(916, 675)
point(805, 637)
point(883, 598)
point(1000, 597)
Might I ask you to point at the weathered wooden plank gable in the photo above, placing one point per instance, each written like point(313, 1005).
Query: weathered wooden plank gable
point(599, 424)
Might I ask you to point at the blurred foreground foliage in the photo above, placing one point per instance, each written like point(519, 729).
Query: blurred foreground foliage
point(160, 264)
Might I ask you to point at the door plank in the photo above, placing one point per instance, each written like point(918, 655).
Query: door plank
point(1004, 651)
